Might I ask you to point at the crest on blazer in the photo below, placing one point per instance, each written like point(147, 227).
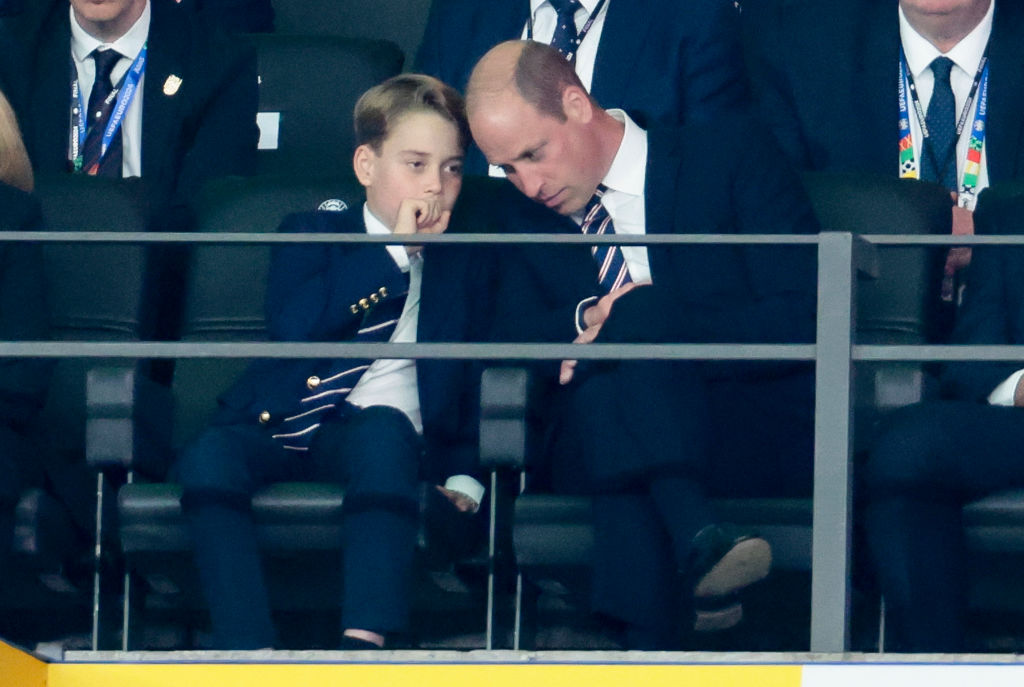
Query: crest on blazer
point(333, 205)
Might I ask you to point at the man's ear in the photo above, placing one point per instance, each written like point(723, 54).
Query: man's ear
point(577, 105)
point(363, 163)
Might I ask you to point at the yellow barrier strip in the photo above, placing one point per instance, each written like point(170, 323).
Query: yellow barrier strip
point(424, 675)
point(18, 669)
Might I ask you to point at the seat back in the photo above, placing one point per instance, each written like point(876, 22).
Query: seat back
point(399, 21)
point(309, 86)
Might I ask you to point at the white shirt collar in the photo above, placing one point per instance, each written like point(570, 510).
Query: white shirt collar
point(629, 167)
point(535, 5)
point(129, 45)
point(373, 225)
point(966, 54)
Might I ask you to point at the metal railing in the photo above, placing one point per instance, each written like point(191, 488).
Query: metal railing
point(840, 255)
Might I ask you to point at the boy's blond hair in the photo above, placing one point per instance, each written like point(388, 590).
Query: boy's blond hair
point(380, 108)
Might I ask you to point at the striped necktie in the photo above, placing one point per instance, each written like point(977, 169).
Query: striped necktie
point(612, 271)
point(101, 106)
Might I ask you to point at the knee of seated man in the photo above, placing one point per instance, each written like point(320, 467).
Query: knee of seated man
point(912, 447)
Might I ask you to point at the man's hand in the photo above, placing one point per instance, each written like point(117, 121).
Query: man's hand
point(595, 315)
point(421, 216)
point(569, 366)
point(963, 225)
point(463, 503)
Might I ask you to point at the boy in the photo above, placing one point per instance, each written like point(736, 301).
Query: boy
point(376, 426)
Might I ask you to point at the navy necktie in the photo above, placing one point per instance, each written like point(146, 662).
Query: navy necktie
point(566, 38)
point(939, 163)
point(101, 107)
point(612, 271)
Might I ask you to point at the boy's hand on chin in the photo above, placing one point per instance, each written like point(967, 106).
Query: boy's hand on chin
point(421, 216)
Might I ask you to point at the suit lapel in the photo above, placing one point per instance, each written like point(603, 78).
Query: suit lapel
point(168, 50)
point(876, 80)
point(623, 38)
point(1006, 86)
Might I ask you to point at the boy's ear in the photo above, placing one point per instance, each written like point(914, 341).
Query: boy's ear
point(363, 163)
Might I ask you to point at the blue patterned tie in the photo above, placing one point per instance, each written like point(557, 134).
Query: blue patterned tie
point(612, 271)
point(939, 163)
point(566, 38)
point(101, 107)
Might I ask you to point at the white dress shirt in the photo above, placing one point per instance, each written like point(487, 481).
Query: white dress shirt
point(129, 45)
point(966, 57)
point(393, 382)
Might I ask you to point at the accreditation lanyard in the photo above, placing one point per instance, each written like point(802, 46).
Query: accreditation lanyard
point(580, 35)
point(124, 93)
point(908, 158)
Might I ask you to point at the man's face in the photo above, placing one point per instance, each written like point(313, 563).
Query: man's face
point(549, 160)
point(107, 19)
point(420, 158)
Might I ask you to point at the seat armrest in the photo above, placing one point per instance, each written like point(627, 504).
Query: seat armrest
point(503, 396)
point(128, 421)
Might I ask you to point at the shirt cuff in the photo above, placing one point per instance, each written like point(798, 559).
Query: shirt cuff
point(580, 308)
point(1002, 395)
point(464, 484)
point(400, 256)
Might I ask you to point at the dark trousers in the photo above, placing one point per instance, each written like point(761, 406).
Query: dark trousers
point(21, 469)
point(651, 441)
point(374, 452)
point(927, 462)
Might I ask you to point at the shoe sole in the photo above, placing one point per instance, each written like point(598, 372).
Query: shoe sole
point(744, 564)
point(718, 619)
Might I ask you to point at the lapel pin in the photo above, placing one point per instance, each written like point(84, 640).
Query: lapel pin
point(172, 84)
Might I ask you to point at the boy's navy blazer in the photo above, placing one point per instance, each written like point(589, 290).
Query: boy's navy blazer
point(310, 291)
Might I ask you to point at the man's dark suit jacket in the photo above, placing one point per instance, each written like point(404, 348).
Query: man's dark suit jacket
point(700, 294)
point(309, 295)
point(826, 81)
point(662, 61)
point(205, 130)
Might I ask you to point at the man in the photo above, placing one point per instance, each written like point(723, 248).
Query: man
point(661, 61)
point(649, 438)
point(932, 458)
point(869, 108)
point(377, 426)
point(176, 103)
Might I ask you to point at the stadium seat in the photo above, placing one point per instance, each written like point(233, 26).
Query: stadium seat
point(308, 88)
point(552, 534)
point(398, 21)
point(94, 292)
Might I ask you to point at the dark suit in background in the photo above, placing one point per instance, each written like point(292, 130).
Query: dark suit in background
point(728, 428)
point(245, 16)
point(662, 61)
point(932, 458)
point(826, 81)
point(23, 383)
point(206, 129)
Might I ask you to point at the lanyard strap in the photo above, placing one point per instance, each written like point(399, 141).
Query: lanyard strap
point(908, 161)
point(124, 93)
point(580, 35)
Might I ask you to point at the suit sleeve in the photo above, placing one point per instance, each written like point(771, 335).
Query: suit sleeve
point(986, 317)
point(225, 135)
point(312, 288)
point(712, 74)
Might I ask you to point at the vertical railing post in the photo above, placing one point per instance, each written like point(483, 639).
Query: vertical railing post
point(830, 567)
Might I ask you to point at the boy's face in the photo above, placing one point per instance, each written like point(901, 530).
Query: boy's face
point(420, 158)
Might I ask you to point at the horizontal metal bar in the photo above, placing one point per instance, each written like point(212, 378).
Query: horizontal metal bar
point(882, 353)
point(254, 238)
point(431, 351)
point(942, 240)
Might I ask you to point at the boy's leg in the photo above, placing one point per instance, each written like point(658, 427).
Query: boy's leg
point(375, 452)
point(219, 472)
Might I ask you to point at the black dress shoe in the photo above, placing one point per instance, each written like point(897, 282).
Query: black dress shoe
point(724, 560)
